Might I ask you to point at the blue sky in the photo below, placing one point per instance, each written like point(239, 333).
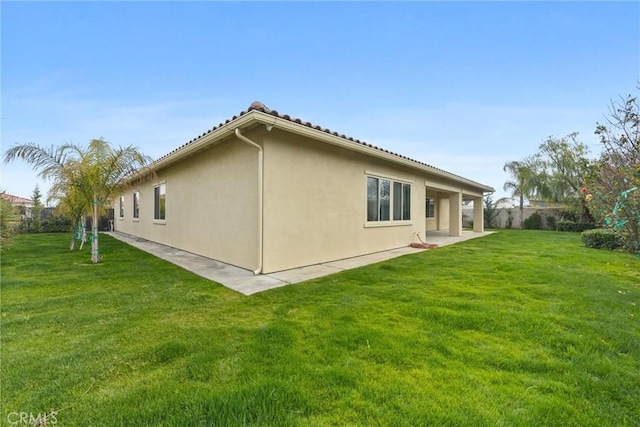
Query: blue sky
point(463, 86)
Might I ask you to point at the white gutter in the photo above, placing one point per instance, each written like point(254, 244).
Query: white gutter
point(225, 130)
point(205, 140)
point(260, 195)
point(338, 140)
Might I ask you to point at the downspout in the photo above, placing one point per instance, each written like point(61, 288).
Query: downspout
point(260, 195)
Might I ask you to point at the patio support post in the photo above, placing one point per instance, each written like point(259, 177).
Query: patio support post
point(455, 214)
point(478, 215)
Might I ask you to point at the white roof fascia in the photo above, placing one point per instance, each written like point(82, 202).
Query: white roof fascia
point(248, 118)
point(300, 129)
point(209, 139)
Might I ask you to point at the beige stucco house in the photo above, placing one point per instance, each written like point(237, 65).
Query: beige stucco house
point(267, 192)
point(24, 204)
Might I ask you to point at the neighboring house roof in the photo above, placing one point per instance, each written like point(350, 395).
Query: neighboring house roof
point(16, 200)
point(258, 112)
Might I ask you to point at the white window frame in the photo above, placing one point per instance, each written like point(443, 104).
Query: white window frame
point(156, 214)
point(136, 206)
point(391, 221)
point(426, 208)
point(402, 209)
point(121, 208)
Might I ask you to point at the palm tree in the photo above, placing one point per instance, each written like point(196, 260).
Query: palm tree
point(86, 176)
point(52, 164)
point(525, 182)
point(71, 203)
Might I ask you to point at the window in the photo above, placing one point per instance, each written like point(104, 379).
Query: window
point(136, 204)
point(121, 206)
point(401, 201)
point(431, 208)
point(381, 198)
point(159, 197)
point(373, 194)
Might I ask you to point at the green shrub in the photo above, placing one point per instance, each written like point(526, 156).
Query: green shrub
point(57, 224)
point(490, 212)
point(551, 222)
point(601, 238)
point(9, 221)
point(534, 222)
point(574, 226)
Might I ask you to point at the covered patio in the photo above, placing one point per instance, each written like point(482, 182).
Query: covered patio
point(443, 209)
point(443, 238)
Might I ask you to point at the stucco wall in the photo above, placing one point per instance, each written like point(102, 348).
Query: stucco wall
point(441, 219)
point(443, 211)
point(211, 205)
point(316, 203)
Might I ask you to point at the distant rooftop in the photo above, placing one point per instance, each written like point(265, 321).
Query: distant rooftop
point(16, 200)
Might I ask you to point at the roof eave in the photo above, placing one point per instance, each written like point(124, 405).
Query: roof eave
point(208, 139)
point(340, 141)
point(255, 116)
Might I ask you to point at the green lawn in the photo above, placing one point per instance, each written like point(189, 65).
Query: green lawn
point(517, 328)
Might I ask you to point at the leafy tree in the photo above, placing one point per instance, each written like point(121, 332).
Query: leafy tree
point(562, 167)
point(36, 211)
point(87, 177)
point(556, 174)
point(490, 213)
point(9, 219)
point(613, 189)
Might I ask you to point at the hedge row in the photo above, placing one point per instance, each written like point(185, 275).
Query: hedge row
point(601, 238)
point(574, 226)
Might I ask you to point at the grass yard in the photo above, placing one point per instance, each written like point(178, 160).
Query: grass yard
point(520, 328)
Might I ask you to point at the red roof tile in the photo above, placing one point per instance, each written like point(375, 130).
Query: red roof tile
point(16, 200)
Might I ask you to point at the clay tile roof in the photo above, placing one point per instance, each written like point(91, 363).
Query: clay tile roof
point(259, 106)
point(16, 200)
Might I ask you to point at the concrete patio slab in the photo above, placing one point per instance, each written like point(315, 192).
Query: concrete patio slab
point(301, 274)
point(253, 285)
point(442, 238)
point(359, 261)
point(245, 282)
